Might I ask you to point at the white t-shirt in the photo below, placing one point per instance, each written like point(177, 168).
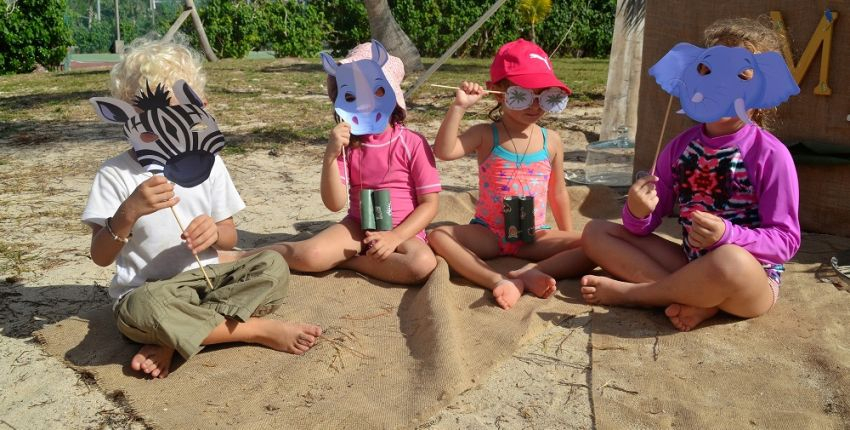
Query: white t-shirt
point(156, 251)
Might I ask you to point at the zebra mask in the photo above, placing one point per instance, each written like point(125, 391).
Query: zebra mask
point(180, 141)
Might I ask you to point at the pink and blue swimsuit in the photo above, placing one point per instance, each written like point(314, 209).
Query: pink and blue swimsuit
point(505, 173)
point(747, 178)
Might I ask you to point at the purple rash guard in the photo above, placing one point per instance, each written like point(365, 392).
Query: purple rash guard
point(747, 178)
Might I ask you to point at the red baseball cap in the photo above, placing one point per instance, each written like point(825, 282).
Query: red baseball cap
point(526, 65)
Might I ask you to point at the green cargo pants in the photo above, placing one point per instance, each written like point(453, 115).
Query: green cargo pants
point(182, 311)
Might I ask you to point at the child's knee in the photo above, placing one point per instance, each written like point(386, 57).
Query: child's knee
point(421, 264)
point(595, 227)
point(310, 256)
point(598, 229)
point(439, 235)
point(731, 262)
point(274, 266)
point(135, 318)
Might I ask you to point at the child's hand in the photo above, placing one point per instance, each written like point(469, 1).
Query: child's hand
point(468, 94)
point(150, 196)
point(381, 244)
point(643, 197)
point(200, 234)
point(706, 229)
point(339, 139)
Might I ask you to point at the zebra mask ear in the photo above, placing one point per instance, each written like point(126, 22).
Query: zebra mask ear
point(112, 110)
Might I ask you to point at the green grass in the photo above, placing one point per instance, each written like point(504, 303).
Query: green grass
point(260, 103)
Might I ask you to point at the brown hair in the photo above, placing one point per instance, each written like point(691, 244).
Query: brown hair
point(756, 35)
point(495, 114)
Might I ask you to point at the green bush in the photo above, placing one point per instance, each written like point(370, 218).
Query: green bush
point(33, 32)
point(294, 28)
point(349, 25)
point(445, 21)
point(582, 28)
point(92, 35)
point(585, 27)
point(433, 25)
point(231, 27)
point(98, 38)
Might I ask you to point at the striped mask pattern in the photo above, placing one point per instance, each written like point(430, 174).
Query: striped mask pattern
point(178, 140)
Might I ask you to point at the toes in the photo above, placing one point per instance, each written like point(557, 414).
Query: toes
point(313, 330)
point(679, 325)
point(590, 298)
point(673, 310)
point(148, 366)
point(588, 280)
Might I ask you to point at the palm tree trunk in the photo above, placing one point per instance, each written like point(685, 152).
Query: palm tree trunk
point(386, 30)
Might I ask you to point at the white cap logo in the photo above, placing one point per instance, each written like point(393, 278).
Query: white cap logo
point(541, 58)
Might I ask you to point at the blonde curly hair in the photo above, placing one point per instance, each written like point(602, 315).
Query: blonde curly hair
point(149, 59)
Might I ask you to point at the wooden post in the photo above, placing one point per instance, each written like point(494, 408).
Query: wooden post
point(621, 93)
point(119, 44)
point(189, 9)
point(176, 26)
point(202, 35)
point(454, 48)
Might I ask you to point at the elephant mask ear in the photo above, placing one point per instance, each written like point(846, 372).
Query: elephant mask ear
point(779, 83)
point(669, 70)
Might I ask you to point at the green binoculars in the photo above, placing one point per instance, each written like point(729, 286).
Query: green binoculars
point(519, 218)
point(375, 210)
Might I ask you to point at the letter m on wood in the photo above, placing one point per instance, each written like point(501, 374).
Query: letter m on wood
point(822, 37)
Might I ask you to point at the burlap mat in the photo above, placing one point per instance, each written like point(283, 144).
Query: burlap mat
point(396, 357)
point(400, 354)
point(789, 369)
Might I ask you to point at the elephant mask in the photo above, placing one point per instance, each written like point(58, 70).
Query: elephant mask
point(721, 81)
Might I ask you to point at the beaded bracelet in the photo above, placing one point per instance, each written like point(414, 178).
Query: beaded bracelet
point(115, 237)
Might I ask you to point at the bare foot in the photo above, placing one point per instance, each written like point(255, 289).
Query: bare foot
point(229, 256)
point(507, 292)
point(686, 318)
point(294, 338)
point(539, 283)
point(153, 360)
point(601, 290)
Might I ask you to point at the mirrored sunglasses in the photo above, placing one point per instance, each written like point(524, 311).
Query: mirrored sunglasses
point(551, 99)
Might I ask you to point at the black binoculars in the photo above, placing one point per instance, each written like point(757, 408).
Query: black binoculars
point(519, 218)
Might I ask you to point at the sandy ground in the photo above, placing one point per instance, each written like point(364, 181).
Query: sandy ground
point(43, 189)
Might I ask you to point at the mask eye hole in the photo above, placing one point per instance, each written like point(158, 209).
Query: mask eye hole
point(148, 137)
point(703, 69)
point(350, 97)
point(746, 74)
point(380, 92)
point(199, 127)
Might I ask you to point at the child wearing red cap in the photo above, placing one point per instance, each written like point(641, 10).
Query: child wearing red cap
point(518, 161)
